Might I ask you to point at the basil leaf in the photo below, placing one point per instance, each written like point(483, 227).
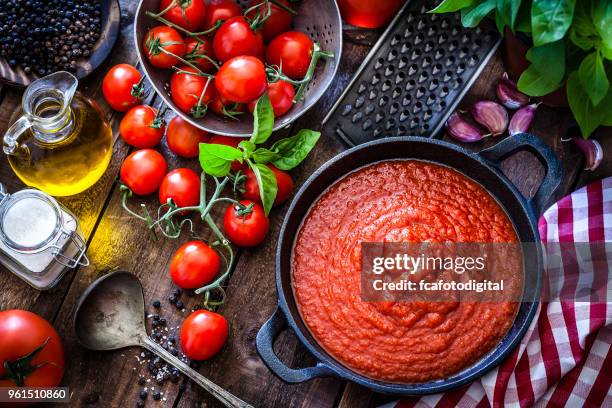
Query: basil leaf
point(293, 150)
point(216, 159)
point(584, 43)
point(547, 69)
point(602, 20)
point(550, 20)
point(267, 185)
point(263, 120)
point(592, 75)
point(246, 145)
point(473, 15)
point(448, 6)
point(508, 10)
point(263, 155)
point(588, 116)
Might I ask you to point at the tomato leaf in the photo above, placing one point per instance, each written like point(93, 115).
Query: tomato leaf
point(547, 69)
point(592, 75)
point(263, 155)
point(263, 120)
point(448, 6)
point(293, 150)
point(550, 20)
point(216, 159)
point(588, 116)
point(267, 185)
point(473, 15)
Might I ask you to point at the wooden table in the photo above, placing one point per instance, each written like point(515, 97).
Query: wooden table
point(117, 241)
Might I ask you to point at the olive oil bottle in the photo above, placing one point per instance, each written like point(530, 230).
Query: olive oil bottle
point(59, 141)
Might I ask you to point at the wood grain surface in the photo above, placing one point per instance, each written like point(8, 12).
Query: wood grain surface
point(116, 241)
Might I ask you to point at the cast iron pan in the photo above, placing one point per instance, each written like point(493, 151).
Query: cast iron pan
point(483, 167)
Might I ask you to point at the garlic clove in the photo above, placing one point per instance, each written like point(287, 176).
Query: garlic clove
point(461, 130)
point(592, 150)
point(509, 95)
point(522, 118)
point(491, 115)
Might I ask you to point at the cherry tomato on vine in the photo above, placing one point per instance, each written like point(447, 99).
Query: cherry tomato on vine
point(143, 171)
point(246, 225)
point(184, 139)
point(191, 92)
point(284, 185)
point(196, 51)
point(220, 10)
point(121, 88)
point(194, 265)
point(292, 51)
point(228, 141)
point(223, 107)
point(23, 333)
point(203, 333)
point(182, 186)
point(141, 127)
point(189, 14)
point(278, 22)
point(241, 79)
point(281, 95)
point(235, 38)
point(159, 42)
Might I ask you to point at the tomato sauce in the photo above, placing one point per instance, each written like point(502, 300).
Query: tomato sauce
point(396, 201)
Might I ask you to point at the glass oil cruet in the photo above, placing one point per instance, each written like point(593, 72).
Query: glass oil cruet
point(59, 141)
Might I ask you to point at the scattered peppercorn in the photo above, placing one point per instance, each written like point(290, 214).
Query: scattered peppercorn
point(179, 304)
point(156, 304)
point(143, 394)
point(157, 396)
point(141, 381)
point(140, 404)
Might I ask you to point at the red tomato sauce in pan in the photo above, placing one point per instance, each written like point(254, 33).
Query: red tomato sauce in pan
point(396, 201)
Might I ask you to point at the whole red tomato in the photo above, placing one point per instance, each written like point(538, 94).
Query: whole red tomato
point(183, 138)
point(196, 51)
point(194, 265)
point(220, 10)
point(369, 13)
point(186, 88)
point(292, 51)
point(203, 333)
point(278, 22)
point(160, 39)
point(284, 184)
point(281, 95)
point(143, 171)
point(141, 127)
point(228, 141)
point(187, 14)
point(246, 225)
point(241, 79)
point(120, 87)
point(182, 186)
point(23, 333)
point(235, 38)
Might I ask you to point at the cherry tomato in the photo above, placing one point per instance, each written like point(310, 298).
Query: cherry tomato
point(241, 79)
point(120, 87)
point(292, 51)
point(186, 89)
point(182, 186)
point(194, 265)
point(284, 184)
point(220, 10)
point(203, 333)
point(160, 39)
point(22, 333)
point(187, 14)
point(224, 107)
point(184, 139)
point(281, 95)
point(196, 48)
point(229, 141)
point(143, 171)
point(235, 38)
point(246, 229)
point(279, 21)
point(141, 128)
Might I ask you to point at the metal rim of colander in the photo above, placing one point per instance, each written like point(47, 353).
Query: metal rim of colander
point(284, 121)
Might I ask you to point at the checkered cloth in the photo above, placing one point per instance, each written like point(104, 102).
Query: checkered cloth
point(565, 358)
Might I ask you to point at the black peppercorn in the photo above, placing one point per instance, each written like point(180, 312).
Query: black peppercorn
point(143, 394)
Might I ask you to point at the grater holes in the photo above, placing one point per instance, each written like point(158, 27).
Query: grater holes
point(395, 39)
point(401, 130)
point(392, 55)
point(379, 63)
point(386, 85)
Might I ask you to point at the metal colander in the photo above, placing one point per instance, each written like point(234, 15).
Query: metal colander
point(320, 19)
point(414, 77)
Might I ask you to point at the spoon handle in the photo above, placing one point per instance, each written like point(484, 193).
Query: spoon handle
point(228, 399)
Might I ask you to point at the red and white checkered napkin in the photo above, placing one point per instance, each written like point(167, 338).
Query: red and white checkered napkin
point(565, 358)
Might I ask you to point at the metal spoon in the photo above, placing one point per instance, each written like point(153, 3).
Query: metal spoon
point(110, 315)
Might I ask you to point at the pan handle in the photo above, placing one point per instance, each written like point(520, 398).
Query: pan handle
point(265, 342)
point(552, 167)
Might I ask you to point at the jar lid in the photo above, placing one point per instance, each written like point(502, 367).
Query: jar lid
point(30, 220)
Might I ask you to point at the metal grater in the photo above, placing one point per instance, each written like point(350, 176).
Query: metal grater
point(414, 77)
